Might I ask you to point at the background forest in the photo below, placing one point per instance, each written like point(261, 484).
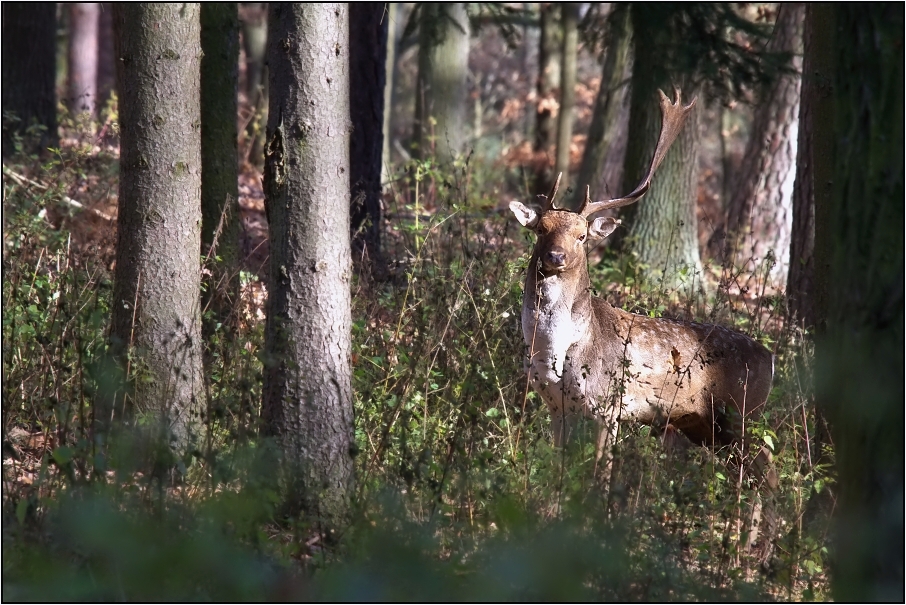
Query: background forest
point(262, 298)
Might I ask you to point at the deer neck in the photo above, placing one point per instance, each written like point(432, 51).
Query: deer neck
point(556, 314)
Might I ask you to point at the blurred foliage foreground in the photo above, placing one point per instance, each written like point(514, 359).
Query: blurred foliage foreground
point(459, 494)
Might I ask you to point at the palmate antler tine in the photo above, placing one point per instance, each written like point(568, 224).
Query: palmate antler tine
point(673, 117)
point(548, 203)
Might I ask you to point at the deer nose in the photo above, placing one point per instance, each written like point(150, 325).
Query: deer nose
point(555, 257)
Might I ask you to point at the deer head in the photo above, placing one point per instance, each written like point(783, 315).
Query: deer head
point(562, 233)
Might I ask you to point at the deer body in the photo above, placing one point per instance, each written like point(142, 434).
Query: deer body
point(590, 358)
point(586, 357)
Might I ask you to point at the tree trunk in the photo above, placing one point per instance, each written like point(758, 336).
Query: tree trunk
point(662, 227)
point(106, 82)
point(569, 23)
point(254, 41)
point(83, 57)
point(547, 87)
point(605, 120)
point(220, 159)
point(29, 72)
point(441, 89)
point(307, 381)
point(858, 176)
point(389, 72)
point(760, 216)
point(368, 26)
point(155, 307)
point(800, 281)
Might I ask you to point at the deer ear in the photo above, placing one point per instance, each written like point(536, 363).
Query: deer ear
point(602, 227)
point(525, 215)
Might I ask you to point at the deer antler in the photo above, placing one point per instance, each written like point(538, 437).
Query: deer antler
point(548, 202)
point(673, 117)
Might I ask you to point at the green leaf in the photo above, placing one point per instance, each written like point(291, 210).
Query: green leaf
point(22, 510)
point(62, 455)
point(767, 439)
point(492, 413)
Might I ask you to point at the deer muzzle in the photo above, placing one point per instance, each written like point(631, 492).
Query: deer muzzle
point(554, 259)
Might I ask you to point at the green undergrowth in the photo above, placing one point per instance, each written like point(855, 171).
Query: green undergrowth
point(460, 494)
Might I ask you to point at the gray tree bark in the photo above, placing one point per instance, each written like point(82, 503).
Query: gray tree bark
point(760, 214)
point(155, 306)
point(441, 89)
point(29, 71)
point(605, 121)
point(83, 57)
point(859, 192)
point(662, 227)
point(569, 21)
point(220, 157)
point(307, 378)
point(368, 25)
point(550, 46)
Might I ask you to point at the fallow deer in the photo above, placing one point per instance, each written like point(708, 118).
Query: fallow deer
point(587, 357)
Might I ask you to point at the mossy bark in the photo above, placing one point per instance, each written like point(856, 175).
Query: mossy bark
point(220, 159)
point(155, 305)
point(307, 403)
point(441, 89)
point(662, 228)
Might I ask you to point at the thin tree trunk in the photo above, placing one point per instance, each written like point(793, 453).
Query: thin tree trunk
point(220, 159)
point(390, 76)
point(605, 126)
point(800, 282)
point(155, 306)
point(254, 41)
point(307, 382)
point(29, 72)
point(106, 59)
point(760, 213)
point(859, 251)
point(442, 91)
point(569, 23)
point(547, 87)
point(368, 25)
point(83, 57)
